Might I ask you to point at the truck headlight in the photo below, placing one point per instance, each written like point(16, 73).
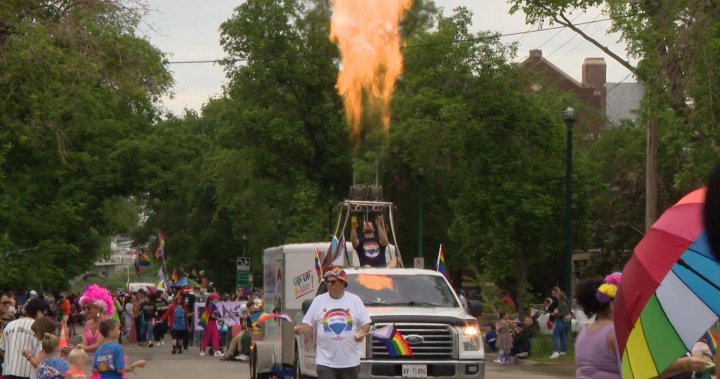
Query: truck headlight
point(471, 330)
point(471, 337)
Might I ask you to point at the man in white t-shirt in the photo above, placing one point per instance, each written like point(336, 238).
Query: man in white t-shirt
point(17, 336)
point(340, 323)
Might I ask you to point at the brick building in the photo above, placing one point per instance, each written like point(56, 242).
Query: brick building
point(603, 104)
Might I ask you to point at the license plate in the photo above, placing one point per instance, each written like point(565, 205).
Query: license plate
point(414, 371)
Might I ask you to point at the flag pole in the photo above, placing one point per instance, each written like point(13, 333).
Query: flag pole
point(437, 261)
point(161, 240)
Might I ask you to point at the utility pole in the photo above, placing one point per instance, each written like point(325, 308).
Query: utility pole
point(569, 117)
point(421, 177)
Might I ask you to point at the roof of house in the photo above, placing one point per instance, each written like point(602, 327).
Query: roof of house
point(622, 100)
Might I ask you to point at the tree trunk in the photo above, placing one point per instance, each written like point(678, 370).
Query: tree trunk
point(521, 283)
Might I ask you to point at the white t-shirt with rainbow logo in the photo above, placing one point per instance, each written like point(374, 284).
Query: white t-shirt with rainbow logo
point(336, 321)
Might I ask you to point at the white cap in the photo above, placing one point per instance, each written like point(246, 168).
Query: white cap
point(258, 303)
point(33, 293)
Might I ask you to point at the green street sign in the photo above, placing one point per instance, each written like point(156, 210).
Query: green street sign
point(242, 276)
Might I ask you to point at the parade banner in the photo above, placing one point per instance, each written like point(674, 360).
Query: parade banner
point(229, 312)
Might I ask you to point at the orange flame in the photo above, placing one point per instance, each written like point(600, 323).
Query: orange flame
point(376, 282)
point(367, 34)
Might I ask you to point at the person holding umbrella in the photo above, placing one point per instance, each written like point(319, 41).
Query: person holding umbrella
point(669, 295)
point(711, 220)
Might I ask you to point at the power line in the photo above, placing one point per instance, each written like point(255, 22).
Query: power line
point(555, 35)
point(575, 46)
point(439, 43)
point(618, 84)
point(571, 38)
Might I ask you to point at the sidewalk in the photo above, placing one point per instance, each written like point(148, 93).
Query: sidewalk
point(564, 366)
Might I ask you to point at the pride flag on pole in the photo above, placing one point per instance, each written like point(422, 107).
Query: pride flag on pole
point(174, 276)
point(393, 341)
point(331, 253)
point(160, 250)
point(260, 317)
point(143, 259)
point(712, 341)
point(161, 279)
point(440, 265)
point(318, 267)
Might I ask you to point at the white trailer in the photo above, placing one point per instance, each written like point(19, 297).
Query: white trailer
point(419, 303)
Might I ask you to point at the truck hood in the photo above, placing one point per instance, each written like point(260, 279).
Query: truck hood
point(420, 314)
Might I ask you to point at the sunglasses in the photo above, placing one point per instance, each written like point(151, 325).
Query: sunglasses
point(7, 303)
point(332, 281)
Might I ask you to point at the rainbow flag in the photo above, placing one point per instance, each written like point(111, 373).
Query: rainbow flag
point(161, 279)
point(318, 267)
point(143, 260)
point(330, 255)
point(174, 276)
point(160, 250)
point(205, 318)
point(712, 341)
point(260, 317)
point(440, 265)
point(393, 341)
point(255, 317)
point(340, 248)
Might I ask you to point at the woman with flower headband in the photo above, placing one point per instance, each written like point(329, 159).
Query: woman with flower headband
point(595, 348)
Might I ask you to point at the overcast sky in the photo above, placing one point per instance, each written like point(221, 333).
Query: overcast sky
point(188, 30)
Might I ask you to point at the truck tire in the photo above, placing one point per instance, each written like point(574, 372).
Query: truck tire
point(297, 372)
point(253, 362)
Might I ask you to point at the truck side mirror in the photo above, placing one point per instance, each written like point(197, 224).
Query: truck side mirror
point(306, 305)
point(475, 308)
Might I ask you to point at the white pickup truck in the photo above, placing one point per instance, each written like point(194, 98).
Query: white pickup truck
point(445, 339)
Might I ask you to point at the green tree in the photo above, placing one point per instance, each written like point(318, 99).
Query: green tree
point(492, 154)
point(275, 155)
point(676, 46)
point(77, 83)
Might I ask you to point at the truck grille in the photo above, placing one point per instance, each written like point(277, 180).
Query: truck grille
point(437, 342)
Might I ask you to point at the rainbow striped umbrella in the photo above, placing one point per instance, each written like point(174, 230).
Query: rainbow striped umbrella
point(669, 296)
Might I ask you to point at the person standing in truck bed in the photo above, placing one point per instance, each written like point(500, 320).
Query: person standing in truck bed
point(370, 247)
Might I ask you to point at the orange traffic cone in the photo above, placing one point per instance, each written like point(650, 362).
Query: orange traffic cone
point(63, 337)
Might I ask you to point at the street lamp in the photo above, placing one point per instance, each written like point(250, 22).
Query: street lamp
point(569, 116)
point(421, 199)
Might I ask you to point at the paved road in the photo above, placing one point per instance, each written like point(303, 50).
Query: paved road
point(190, 365)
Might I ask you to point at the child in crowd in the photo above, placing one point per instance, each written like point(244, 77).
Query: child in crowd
point(522, 336)
point(109, 359)
point(504, 339)
point(51, 367)
point(42, 326)
point(77, 359)
point(490, 337)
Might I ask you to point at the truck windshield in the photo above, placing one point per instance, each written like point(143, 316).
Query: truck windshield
point(402, 290)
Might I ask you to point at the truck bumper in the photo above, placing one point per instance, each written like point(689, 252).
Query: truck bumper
point(470, 369)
